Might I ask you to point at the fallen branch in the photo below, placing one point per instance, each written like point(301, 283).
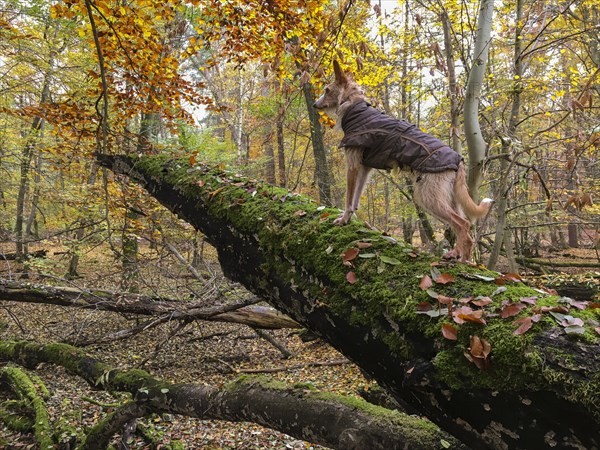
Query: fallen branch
point(13, 256)
point(166, 309)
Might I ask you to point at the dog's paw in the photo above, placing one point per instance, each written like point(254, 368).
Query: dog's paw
point(343, 218)
point(452, 255)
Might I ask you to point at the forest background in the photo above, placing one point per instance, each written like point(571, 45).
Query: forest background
point(232, 84)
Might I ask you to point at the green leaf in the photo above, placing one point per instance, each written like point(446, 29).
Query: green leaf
point(388, 260)
point(367, 255)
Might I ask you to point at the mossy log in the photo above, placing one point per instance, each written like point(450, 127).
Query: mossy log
point(27, 391)
point(488, 386)
point(300, 411)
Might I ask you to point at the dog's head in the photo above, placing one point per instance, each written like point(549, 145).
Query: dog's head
point(343, 89)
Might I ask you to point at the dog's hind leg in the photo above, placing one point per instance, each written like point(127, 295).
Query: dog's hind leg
point(353, 158)
point(434, 192)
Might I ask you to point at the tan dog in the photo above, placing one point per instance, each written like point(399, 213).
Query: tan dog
point(375, 140)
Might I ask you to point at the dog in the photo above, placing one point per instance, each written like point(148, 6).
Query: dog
point(374, 140)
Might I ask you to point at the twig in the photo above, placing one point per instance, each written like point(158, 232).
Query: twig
point(274, 342)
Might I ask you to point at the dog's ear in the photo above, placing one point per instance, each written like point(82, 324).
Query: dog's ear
point(340, 77)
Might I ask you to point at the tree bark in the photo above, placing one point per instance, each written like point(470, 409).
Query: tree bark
point(533, 388)
point(322, 173)
point(301, 411)
point(475, 142)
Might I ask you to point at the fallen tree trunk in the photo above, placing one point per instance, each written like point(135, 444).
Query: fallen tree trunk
point(300, 411)
point(13, 256)
point(243, 313)
point(449, 349)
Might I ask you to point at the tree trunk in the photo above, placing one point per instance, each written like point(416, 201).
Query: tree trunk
point(503, 235)
point(453, 93)
point(529, 388)
point(322, 173)
point(281, 147)
point(476, 144)
point(31, 228)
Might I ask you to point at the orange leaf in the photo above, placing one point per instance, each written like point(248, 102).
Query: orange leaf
point(466, 314)
point(449, 332)
point(444, 300)
point(425, 283)
point(350, 254)
point(482, 301)
point(525, 323)
point(511, 310)
point(362, 245)
point(444, 278)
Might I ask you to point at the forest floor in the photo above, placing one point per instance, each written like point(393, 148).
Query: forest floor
point(201, 352)
point(210, 353)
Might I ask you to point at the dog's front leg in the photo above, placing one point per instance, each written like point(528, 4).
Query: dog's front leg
point(353, 158)
point(361, 180)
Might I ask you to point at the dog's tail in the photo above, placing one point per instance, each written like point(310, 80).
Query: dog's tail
point(463, 198)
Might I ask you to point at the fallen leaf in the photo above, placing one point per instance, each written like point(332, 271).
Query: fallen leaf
point(351, 277)
point(449, 332)
point(574, 329)
point(444, 278)
point(367, 255)
point(362, 245)
point(214, 193)
point(570, 321)
point(525, 323)
point(388, 260)
point(200, 183)
point(478, 352)
point(300, 213)
point(425, 283)
point(444, 300)
point(508, 277)
point(482, 301)
point(529, 300)
point(350, 254)
point(432, 293)
point(424, 306)
point(511, 310)
point(500, 290)
point(597, 330)
point(434, 312)
point(466, 314)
